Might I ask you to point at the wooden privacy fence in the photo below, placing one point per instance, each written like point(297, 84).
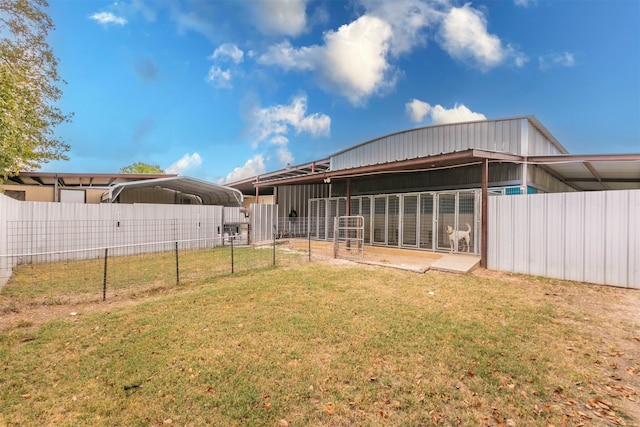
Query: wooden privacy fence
point(589, 237)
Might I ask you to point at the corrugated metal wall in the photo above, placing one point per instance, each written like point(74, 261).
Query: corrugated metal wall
point(543, 180)
point(506, 174)
point(537, 143)
point(494, 135)
point(516, 136)
point(589, 237)
point(263, 220)
point(31, 225)
point(296, 197)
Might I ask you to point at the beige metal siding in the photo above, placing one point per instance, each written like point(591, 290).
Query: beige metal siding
point(33, 193)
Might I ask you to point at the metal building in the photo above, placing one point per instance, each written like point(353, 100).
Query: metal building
point(410, 186)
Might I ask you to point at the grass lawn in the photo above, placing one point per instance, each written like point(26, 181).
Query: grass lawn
point(329, 345)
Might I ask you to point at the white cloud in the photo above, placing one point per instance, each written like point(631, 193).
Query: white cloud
point(523, 3)
point(219, 77)
point(272, 123)
point(188, 161)
point(418, 110)
point(352, 62)
point(564, 59)
point(252, 167)
point(283, 17)
point(200, 17)
point(284, 156)
point(465, 37)
point(107, 18)
point(289, 58)
point(408, 20)
point(228, 50)
point(355, 58)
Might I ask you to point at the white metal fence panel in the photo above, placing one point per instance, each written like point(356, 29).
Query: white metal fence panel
point(264, 222)
point(589, 237)
point(634, 245)
point(77, 231)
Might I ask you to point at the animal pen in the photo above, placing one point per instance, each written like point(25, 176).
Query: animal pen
point(590, 237)
point(64, 251)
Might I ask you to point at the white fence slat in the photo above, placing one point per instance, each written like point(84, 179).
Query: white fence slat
point(594, 238)
point(634, 242)
point(538, 237)
point(505, 232)
point(520, 234)
point(617, 238)
point(574, 237)
point(555, 235)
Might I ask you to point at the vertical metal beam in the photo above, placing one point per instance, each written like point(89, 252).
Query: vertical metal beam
point(55, 189)
point(257, 189)
point(484, 219)
point(348, 196)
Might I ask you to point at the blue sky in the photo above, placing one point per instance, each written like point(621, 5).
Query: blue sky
point(220, 90)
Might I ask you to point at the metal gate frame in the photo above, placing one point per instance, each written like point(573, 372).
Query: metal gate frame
point(348, 237)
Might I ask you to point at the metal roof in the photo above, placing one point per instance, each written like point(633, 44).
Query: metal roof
point(81, 179)
point(315, 169)
point(211, 194)
point(582, 172)
point(593, 171)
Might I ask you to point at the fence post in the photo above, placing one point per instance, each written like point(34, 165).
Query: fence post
point(177, 266)
point(335, 237)
point(231, 240)
point(104, 280)
point(309, 245)
point(274, 247)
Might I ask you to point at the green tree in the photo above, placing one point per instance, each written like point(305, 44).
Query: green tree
point(29, 88)
point(141, 167)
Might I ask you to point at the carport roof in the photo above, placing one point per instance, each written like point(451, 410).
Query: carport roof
point(593, 172)
point(81, 179)
point(582, 172)
point(211, 194)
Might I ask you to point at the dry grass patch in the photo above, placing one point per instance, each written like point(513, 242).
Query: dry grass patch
point(322, 345)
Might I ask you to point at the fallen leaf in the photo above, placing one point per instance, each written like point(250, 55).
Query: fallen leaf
point(329, 408)
point(283, 423)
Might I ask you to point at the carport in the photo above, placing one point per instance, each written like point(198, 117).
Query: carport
point(183, 188)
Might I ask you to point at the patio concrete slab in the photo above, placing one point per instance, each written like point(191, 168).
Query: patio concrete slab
point(456, 263)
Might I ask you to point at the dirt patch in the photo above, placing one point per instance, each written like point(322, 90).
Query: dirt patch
point(618, 348)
